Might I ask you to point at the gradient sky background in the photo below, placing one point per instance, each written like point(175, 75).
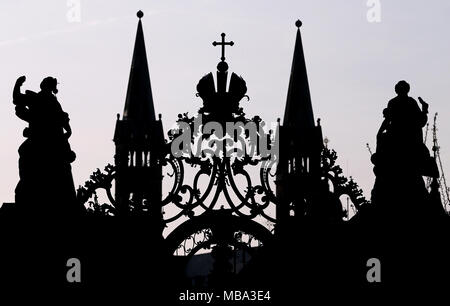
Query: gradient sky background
point(352, 64)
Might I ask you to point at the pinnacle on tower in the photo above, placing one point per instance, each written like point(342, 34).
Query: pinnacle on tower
point(139, 106)
point(298, 112)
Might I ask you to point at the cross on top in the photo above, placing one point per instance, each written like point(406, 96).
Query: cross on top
point(223, 44)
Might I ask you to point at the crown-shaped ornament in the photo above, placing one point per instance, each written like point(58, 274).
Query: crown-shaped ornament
point(218, 103)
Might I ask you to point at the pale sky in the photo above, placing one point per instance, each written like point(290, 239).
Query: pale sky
point(352, 64)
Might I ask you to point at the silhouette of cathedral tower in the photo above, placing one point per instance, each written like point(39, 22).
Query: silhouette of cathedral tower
point(301, 144)
point(139, 140)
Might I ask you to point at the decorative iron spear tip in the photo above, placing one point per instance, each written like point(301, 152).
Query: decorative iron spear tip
point(298, 23)
point(140, 14)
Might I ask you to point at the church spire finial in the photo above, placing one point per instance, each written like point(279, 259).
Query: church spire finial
point(298, 112)
point(139, 100)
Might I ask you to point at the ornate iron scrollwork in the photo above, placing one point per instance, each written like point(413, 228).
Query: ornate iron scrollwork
point(223, 168)
point(87, 194)
point(341, 185)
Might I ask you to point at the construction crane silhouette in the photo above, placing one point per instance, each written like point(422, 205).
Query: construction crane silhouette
point(443, 188)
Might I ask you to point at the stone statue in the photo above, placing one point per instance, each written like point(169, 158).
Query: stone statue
point(400, 139)
point(46, 185)
point(401, 160)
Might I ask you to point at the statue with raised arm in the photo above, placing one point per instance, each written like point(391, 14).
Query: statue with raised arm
point(46, 185)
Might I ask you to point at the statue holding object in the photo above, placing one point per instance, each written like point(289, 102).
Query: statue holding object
point(46, 185)
point(402, 159)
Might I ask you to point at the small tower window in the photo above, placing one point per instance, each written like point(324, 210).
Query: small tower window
point(291, 209)
point(131, 158)
point(145, 158)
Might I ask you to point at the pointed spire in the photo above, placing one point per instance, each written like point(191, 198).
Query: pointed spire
point(298, 112)
point(139, 101)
